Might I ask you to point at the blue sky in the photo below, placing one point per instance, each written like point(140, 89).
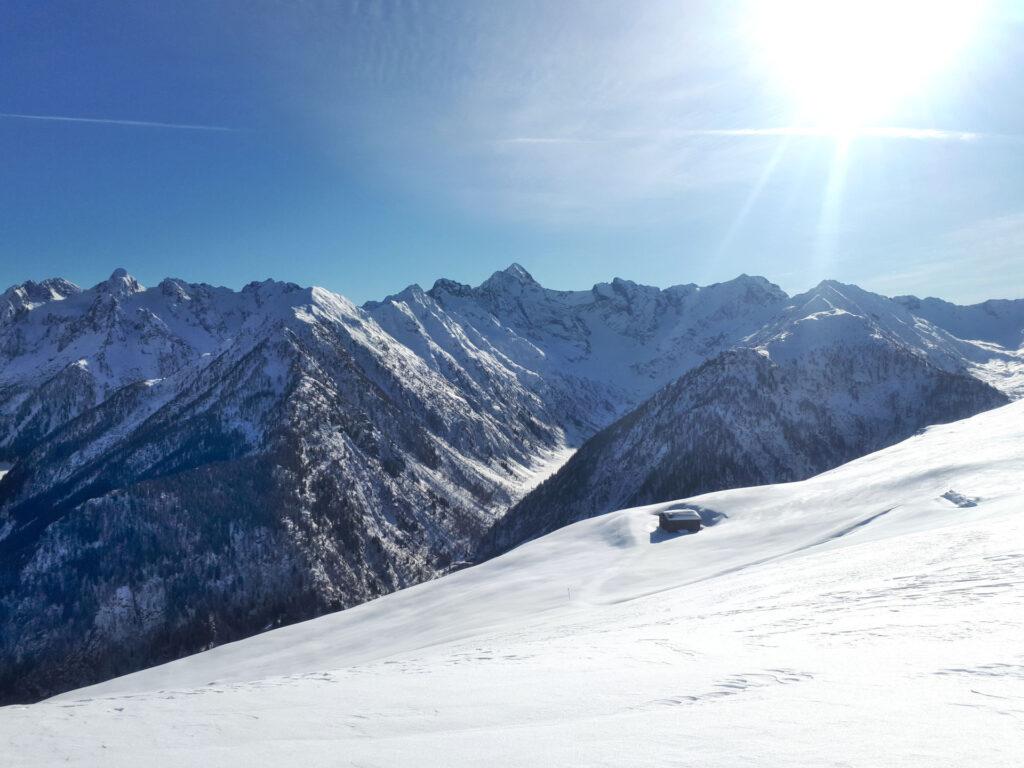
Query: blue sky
point(364, 146)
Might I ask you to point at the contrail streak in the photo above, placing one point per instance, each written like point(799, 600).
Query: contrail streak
point(877, 131)
point(785, 131)
point(108, 121)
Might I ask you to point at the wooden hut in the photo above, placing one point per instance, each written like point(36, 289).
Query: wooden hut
point(683, 519)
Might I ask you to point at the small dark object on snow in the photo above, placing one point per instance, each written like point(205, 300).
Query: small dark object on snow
point(673, 520)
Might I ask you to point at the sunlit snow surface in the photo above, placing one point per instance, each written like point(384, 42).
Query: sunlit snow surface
point(870, 616)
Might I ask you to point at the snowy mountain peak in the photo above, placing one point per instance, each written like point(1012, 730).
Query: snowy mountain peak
point(752, 281)
point(120, 283)
point(747, 282)
point(270, 286)
point(744, 290)
point(20, 298)
point(277, 295)
point(996, 321)
point(826, 290)
point(444, 286)
point(30, 294)
point(512, 278)
point(832, 296)
point(411, 293)
point(619, 288)
point(51, 289)
point(518, 272)
point(175, 289)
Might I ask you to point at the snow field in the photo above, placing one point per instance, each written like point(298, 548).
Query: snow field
point(867, 616)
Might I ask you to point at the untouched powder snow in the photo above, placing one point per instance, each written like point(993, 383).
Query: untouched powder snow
point(871, 615)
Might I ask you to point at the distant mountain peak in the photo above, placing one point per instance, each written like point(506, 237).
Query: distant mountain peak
point(24, 296)
point(450, 287)
point(52, 288)
point(513, 274)
point(518, 271)
point(830, 294)
point(759, 281)
point(270, 285)
point(175, 288)
point(120, 283)
point(753, 287)
point(411, 293)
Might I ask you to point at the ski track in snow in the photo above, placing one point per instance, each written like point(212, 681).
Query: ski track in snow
point(862, 617)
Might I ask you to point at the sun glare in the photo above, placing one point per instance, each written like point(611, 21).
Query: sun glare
point(847, 64)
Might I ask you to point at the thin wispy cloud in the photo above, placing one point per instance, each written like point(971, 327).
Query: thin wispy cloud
point(606, 169)
point(111, 121)
point(549, 140)
point(881, 132)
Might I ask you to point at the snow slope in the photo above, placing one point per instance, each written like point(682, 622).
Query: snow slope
point(871, 615)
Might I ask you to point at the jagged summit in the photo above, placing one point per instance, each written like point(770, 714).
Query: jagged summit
point(413, 292)
point(175, 288)
point(26, 296)
point(120, 283)
point(517, 281)
point(518, 271)
point(996, 321)
point(44, 290)
point(832, 296)
point(513, 278)
point(444, 286)
point(271, 285)
point(743, 279)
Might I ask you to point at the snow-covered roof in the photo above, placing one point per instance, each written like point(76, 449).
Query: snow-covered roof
point(681, 514)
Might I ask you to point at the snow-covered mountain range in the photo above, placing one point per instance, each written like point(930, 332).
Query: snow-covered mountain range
point(839, 373)
point(190, 465)
point(867, 616)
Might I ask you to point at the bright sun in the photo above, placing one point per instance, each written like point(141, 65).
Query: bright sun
point(848, 64)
